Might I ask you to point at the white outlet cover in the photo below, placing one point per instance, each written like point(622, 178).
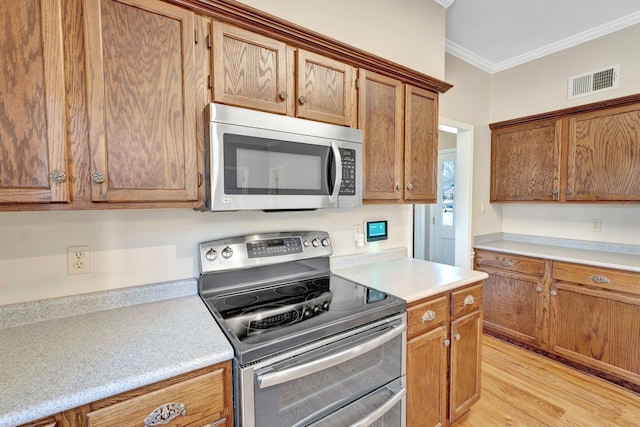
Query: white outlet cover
point(78, 260)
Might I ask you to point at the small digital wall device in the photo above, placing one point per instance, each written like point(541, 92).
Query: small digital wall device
point(375, 230)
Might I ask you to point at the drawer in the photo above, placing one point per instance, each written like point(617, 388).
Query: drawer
point(466, 300)
point(198, 401)
point(517, 263)
point(425, 316)
point(624, 281)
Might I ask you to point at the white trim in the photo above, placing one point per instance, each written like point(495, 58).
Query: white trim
point(444, 3)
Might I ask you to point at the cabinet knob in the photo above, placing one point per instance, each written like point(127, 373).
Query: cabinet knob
point(469, 300)
point(398, 187)
point(283, 95)
point(428, 316)
point(555, 192)
point(569, 191)
point(538, 289)
point(97, 177)
point(553, 293)
point(302, 99)
point(457, 337)
point(447, 343)
point(507, 263)
point(409, 186)
point(164, 414)
point(58, 176)
point(599, 279)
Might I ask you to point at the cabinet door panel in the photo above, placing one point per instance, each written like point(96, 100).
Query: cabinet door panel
point(598, 328)
point(427, 379)
point(32, 123)
point(466, 335)
point(141, 94)
point(604, 155)
point(525, 162)
point(382, 121)
point(250, 70)
point(325, 89)
point(421, 145)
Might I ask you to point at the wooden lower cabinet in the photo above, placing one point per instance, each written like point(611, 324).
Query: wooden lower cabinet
point(199, 398)
point(443, 357)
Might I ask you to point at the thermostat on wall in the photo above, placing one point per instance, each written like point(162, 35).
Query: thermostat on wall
point(375, 230)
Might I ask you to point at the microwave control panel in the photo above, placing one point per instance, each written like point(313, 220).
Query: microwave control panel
point(348, 187)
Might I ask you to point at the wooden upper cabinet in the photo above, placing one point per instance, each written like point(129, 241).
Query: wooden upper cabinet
point(421, 145)
point(324, 89)
point(250, 70)
point(381, 117)
point(141, 99)
point(525, 162)
point(604, 155)
point(33, 148)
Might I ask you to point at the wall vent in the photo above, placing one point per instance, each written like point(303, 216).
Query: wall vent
point(596, 81)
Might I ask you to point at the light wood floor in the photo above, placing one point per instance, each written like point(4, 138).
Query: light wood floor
point(520, 388)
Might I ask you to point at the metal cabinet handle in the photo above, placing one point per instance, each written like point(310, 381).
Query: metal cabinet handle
point(283, 95)
point(507, 263)
point(457, 337)
point(428, 316)
point(164, 414)
point(410, 186)
point(58, 176)
point(98, 177)
point(469, 300)
point(447, 343)
point(302, 99)
point(599, 279)
point(538, 289)
point(553, 293)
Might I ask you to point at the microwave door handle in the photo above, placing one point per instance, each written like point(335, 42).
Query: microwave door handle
point(295, 372)
point(378, 413)
point(337, 158)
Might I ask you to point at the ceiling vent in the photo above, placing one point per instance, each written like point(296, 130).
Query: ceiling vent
point(595, 81)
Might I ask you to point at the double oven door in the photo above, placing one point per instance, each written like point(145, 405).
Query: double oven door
point(352, 379)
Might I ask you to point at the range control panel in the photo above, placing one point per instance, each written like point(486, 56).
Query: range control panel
point(262, 249)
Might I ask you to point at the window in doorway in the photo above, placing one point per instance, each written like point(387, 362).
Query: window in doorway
point(448, 191)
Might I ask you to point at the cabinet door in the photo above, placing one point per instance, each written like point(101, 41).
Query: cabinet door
point(604, 155)
point(33, 148)
point(141, 95)
point(597, 328)
point(325, 89)
point(421, 145)
point(525, 162)
point(381, 101)
point(464, 389)
point(427, 379)
point(513, 305)
point(250, 70)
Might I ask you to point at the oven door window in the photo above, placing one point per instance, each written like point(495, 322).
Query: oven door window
point(268, 166)
point(286, 396)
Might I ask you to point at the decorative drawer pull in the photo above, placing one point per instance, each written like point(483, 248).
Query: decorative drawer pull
point(428, 316)
point(599, 279)
point(58, 176)
point(457, 337)
point(507, 263)
point(164, 414)
point(97, 177)
point(469, 300)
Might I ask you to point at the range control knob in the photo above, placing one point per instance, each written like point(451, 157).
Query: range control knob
point(316, 309)
point(306, 243)
point(315, 243)
point(227, 252)
point(325, 305)
point(326, 242)
point(211, 254)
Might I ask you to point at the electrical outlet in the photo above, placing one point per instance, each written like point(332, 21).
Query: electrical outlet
point(78, 260)
point(595, 224)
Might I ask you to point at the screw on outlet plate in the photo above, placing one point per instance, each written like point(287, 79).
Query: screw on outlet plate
point(78, 260)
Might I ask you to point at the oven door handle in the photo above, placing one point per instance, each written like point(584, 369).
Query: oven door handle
point(290, 374)
point(378, 413)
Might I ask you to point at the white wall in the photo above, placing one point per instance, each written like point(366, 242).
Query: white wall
point(541, 86)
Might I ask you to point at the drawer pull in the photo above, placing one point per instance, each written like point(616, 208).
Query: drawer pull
point(469, 300)
point(428, 316)
point(599, 279)
point(507, 263)
point(164, 414)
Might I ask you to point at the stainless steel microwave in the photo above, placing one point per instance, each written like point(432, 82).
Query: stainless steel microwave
point(264, 161)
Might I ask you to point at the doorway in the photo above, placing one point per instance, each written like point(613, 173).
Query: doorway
point(450, 244)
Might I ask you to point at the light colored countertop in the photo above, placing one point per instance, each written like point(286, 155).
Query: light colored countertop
point(410, 279)
point(606, 259)
point(57, 364)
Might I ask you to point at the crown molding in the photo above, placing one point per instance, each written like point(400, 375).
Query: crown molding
point(468, 56)
point(444, 3)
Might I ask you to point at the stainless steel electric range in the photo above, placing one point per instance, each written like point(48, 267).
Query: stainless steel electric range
point(311, 348)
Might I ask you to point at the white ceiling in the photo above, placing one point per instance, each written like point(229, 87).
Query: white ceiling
point(498, 34)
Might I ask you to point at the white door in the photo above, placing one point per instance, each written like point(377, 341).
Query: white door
point(443, 244)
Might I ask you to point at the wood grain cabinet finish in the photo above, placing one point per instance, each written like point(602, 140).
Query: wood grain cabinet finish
point(33, 150)
point(525, 162)
point(199, 398)
point(399, 132)
point(141, 99)
point(443, 356)
point(513, 295)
